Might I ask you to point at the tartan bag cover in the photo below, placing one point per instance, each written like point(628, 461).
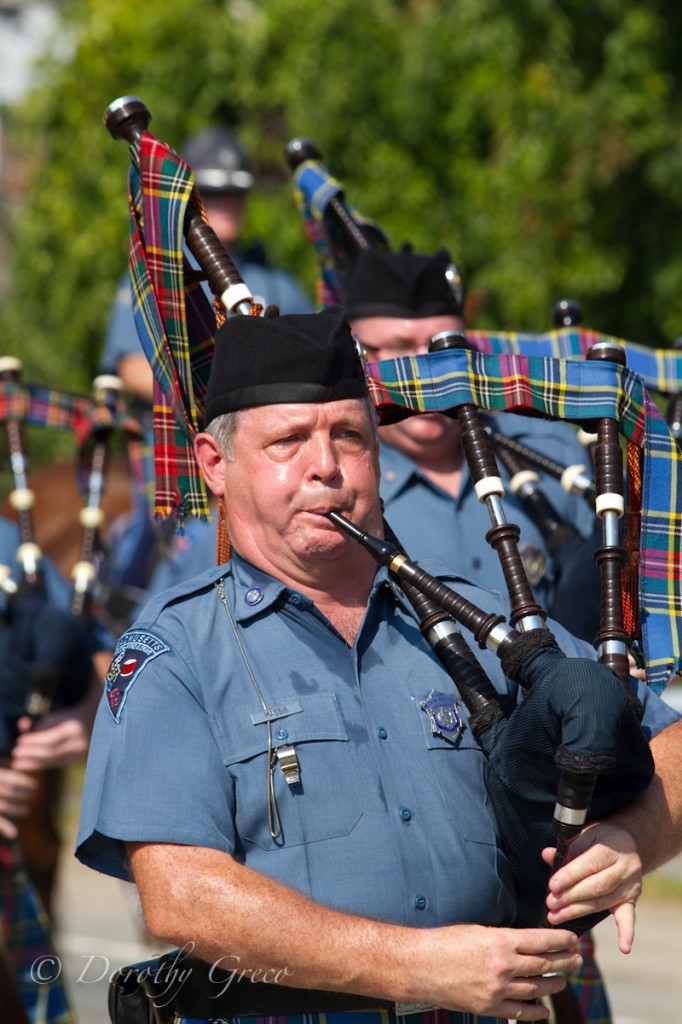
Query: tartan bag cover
point(174, 320)
point(659, 368)
point(572, 390)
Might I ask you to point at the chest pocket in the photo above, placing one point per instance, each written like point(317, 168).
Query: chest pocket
point(325, 804)
point(460, 771)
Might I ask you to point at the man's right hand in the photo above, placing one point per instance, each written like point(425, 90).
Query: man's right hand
point(521, 966)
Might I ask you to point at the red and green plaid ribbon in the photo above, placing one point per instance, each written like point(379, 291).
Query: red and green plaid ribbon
point(53, 409)
point(174, 320)
point(572, 390)
point(659, 368)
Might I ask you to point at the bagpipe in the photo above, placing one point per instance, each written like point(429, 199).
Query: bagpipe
point(540, 383)
point(532, 753)
point(45, 642)
point(45, 657)
point(574, 742)
point(576, 732)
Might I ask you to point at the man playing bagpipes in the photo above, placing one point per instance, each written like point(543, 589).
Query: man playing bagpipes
point(297, 788)
point(53, 654)
point(262, 764)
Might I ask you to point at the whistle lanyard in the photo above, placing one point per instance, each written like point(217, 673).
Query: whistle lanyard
point(284, 756)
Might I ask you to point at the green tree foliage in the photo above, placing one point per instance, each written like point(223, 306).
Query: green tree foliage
point(539, 139)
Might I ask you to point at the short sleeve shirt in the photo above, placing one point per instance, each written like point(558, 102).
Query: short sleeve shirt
point(388, 820)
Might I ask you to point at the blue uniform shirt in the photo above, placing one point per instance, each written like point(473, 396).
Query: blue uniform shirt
point(186, 555)
point(430, 523)
point(388, 821)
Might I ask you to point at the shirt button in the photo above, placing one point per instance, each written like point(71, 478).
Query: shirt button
point(390, 474)
point(295, 600)
point(476, 563)
point(405, 813)
point(420, 902)
point(282, 734)
point(381, 733)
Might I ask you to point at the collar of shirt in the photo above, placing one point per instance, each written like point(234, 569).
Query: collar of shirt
point(257, 592)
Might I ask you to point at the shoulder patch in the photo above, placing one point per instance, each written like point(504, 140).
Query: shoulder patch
point(133, 652)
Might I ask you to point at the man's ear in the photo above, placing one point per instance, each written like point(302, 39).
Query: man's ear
point(210, 459)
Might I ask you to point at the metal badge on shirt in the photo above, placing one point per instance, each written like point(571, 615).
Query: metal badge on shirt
point(443, 714)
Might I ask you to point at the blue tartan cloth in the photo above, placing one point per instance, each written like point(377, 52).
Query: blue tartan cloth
point(314, 190)
point(659, 368)
point(575, 391)
point(356, 1017)
point(26, 936)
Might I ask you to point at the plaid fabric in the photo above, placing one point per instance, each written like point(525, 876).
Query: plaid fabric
point(660, 369)
point(25, 932)
point(59, 410)
point(326, 289)
point(100, 419)
point(174, 320)
point(588, 985)
point(44, 407)
point(571, 390)
point(314, 189)
point(359, 1017)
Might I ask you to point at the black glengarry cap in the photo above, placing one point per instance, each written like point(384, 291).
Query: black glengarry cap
point(403, 284)
point(301, 357)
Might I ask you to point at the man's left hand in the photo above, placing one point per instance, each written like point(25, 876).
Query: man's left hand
point(604, 873)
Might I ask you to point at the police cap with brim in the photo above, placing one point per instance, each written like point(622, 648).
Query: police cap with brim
point(301, 357)
point(219, 162)
point(401, 284)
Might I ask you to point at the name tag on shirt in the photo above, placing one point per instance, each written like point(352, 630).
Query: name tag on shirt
point(281, 711)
